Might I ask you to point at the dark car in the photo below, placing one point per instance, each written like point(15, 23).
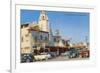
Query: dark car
point(27, 58)
point(53, 54)
point(85, 53)
point(73, 53)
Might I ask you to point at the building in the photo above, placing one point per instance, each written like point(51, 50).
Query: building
point(26, 37)
point(39, 35)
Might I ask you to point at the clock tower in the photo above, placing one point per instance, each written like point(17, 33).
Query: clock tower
point(43, 21)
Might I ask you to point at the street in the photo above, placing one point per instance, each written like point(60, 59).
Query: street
point(65, 58)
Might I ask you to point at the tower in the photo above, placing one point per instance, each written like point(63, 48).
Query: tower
point(43, 21)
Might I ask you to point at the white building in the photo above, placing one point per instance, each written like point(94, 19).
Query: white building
point(26, 39)
point(33, 35)
point(38, 35)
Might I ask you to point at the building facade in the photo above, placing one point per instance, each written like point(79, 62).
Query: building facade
point(39, 35)
point(26, 41)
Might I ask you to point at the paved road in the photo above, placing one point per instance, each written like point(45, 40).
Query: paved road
point(64, 58)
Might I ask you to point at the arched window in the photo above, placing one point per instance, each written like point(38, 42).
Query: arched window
point(22, 39)
point(43, 17)
point(41, 37)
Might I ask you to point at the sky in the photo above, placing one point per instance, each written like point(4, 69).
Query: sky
point(73, 25)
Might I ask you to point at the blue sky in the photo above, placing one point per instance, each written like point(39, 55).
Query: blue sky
point(72, 25)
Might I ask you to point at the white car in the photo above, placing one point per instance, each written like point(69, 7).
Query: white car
point(47, 55)
point(65, 54)
point(42, 56)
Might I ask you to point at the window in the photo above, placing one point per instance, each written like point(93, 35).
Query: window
point(22, 39)
point(26, 40)
point(26, 48)
point(54, 39)
point(41, 37)
point(35, 38)
point(46, 39)
point(43, 17)
point(26, 35)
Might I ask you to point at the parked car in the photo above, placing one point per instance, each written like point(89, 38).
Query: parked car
point(27, 58)
point(47, 54)
point(73, 53)
point(42, 56)
point(53, 54)
point(84, 53)
point(65, 53)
